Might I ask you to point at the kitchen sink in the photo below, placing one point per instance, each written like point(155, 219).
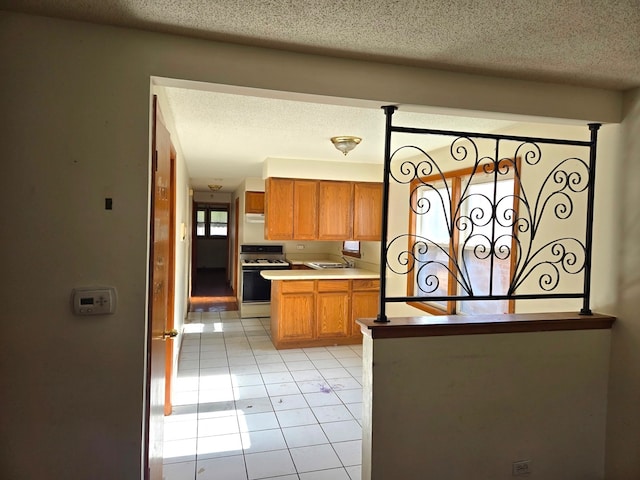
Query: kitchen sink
point(320, 265)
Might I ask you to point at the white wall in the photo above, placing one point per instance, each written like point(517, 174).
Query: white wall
point(324, 170)
point(211, 197)
point(623, 428)
point(477, 403)
point(76, 97)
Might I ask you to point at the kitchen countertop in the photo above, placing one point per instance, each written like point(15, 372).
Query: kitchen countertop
point(323, 274)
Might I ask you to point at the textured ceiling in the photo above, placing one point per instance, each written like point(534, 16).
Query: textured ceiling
point(580, 42)
point(594, 43)
point(226, 137)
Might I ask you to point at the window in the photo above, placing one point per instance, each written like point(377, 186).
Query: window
point(351, 248)
point(454, 258)
point(212, 221)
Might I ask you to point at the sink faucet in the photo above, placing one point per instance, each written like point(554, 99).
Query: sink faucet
point(348, 263)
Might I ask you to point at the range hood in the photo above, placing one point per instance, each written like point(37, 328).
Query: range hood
point(254, 217)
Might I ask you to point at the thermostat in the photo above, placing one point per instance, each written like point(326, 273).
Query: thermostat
point(94, 300)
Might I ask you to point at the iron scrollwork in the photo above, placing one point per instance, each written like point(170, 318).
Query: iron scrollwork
point(532, 228)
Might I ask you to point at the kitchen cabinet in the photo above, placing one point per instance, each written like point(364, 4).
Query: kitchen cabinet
point(298, 209)
point(335, 212)
point(291, 209)
point(278, 214)
point(254, 202)
point(333, 309)
point(364, 302)
point(367, 211)
point(305, 210)
point(308, 313)
point(293, 304)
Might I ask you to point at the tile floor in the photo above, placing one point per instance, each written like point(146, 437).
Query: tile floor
point(244, 410)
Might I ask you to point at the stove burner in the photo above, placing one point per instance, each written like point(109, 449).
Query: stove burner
point(254, 261)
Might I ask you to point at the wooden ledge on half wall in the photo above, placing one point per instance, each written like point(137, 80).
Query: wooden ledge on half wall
point(435, 326)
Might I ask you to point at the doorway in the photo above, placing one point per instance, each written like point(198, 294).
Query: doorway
point(211, 289)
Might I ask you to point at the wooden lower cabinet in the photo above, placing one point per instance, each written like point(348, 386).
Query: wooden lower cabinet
point(298, 325)
point(293, 311)
point(365, 299)
point(308, 313)
point(333, 309)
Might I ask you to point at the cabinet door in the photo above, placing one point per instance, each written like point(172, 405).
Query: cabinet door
point(278, 219)
point(305, 210)
point(335, 210)
point(363, 305)
point(297, 319)
point(367, 211)
point(332, 309)
point(254, 202)
point(364, 302)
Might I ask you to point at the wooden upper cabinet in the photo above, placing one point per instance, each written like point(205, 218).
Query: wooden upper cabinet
point(297, 209)
point(367, 211)
point(254, 202)
point(335, 212)
point(278, 223)
point(305, 209)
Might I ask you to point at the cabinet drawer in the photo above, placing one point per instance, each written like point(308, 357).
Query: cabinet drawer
point(366, 285)
point(295, 286)
point(333, 285)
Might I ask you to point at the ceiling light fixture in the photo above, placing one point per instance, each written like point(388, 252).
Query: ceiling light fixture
point(214, 188)
point(345, 143)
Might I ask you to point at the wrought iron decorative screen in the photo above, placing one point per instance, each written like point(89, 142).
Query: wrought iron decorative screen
point(495, 217)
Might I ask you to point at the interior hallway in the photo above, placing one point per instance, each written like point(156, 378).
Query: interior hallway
point(244, 410)
point(211, 292)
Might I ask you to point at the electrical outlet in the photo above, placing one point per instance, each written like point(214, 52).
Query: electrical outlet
point(300, 246)
point(522, 467)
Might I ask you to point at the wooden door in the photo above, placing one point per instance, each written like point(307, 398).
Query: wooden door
point(170, 317)
point(367, 211)
point(305, 209)
point(335, 210)
point(278, 220)
point(160, 292)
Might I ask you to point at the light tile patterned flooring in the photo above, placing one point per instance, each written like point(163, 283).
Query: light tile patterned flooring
point(244, 410)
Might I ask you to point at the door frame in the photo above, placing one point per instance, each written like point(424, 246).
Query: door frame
point(194, 239)
point(156, 116)
point(236, 245)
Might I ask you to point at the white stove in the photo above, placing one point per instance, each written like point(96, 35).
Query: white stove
point(256, 290)
point(264, 262)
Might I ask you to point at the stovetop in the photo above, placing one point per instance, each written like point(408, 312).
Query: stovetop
point(264, 261)
point(264, 256)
